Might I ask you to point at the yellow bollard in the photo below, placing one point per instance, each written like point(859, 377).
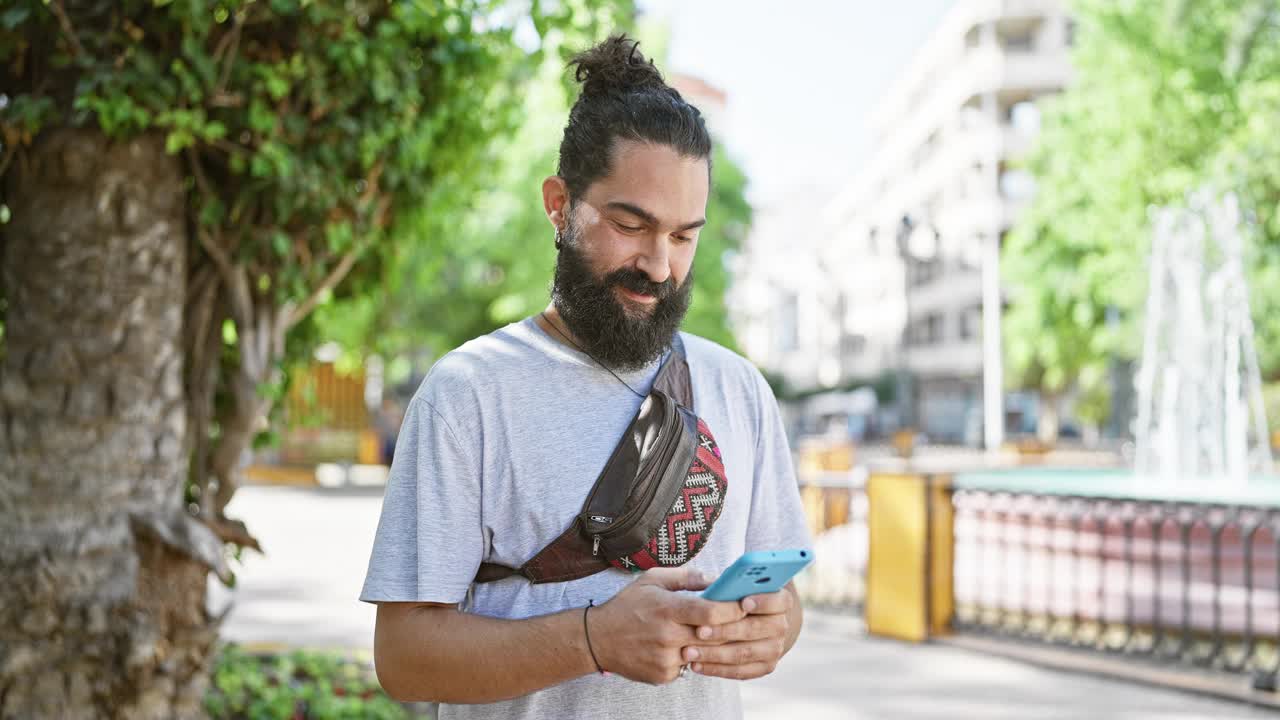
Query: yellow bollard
point(370, 448)
point(909, 566)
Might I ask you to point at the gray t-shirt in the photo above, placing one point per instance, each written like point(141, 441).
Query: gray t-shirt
point(500, 446)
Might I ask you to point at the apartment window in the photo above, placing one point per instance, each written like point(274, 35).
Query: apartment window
point(923, 272)
point(1069, 33)
point(1020, 38)
point(926, 330)
point(852, 344)
point(1017, 185)
point(971, 252)
point(1024, 117)
point(971, 322)
point(973, 38)
point(934, 325)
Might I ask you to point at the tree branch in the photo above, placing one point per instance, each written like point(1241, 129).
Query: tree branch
point(8, 155)
point(233, 278)
point(295, 315)
point(233, 274)
point(64, 22)
point(204, 337)
point(231, 55)
point(201, 296)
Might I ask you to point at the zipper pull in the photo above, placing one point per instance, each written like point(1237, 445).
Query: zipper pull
point(595, 544)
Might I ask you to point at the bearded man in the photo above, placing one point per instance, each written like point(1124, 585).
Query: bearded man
point(477, 568)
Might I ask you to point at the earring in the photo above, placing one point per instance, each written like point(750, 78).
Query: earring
point(559, 239)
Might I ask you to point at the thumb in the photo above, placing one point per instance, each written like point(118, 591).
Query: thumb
point(678, 578)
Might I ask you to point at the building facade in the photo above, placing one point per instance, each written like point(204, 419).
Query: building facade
point(914, 257)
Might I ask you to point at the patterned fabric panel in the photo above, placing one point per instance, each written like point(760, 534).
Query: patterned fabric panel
point(688, 523)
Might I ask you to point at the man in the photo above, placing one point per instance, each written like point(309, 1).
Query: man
point(507, 434)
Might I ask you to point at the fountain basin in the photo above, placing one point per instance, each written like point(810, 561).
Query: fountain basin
point(1261, 491)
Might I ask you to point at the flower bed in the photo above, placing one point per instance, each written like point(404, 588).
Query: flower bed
point(297, 685)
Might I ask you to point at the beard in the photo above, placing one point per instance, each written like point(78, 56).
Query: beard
point(621, 339)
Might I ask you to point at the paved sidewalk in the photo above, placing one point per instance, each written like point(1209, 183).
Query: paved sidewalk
point(835, 671)
point(303, 594)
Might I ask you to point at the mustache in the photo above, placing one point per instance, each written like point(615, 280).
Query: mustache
point(637, 282)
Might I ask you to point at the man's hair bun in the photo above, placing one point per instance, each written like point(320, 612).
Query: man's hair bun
point(615, 66)
point(623, 97)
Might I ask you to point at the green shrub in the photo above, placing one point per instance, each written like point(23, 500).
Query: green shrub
point(296, 685)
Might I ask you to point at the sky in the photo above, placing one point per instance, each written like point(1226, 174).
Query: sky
point(802, 78)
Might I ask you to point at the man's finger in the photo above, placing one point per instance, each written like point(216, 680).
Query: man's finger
point(752, 627)
point(772, 603)
point(696, 611)
point(735, 653)
point(733, 672)
point(679, 578)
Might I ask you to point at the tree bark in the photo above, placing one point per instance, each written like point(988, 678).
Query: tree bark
point(102, 609)
point(1047, 425)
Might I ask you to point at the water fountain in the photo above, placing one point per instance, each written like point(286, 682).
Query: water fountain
point(1178, 559)
point(1200, 408)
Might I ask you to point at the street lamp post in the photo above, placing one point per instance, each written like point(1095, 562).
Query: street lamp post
point(992, 356)
point(905, 391)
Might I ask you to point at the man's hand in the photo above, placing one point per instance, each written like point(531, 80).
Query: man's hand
point(640, 632)
point(747, 648)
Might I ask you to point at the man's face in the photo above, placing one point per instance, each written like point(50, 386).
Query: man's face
point(624, 275)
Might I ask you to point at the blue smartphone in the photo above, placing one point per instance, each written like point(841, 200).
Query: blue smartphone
point(763, 571)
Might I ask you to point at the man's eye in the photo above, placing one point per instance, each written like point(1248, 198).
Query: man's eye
point(683, 239)
point(629, 228)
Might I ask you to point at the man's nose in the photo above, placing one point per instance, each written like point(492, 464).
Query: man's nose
point(655, 261)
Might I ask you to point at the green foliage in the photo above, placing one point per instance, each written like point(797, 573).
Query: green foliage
point(473, 271)
point(1169, 96)
point(325, 142)
point(300, 684)
point(1271, 403)
point(305, 124)
point(728, 220)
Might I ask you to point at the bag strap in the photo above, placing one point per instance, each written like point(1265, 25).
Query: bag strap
point(570, 556)
point(673, 377)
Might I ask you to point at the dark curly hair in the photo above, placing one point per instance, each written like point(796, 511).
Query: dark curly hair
point(623, 97)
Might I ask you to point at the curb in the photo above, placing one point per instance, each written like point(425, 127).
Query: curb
point(357, 654)
point(1222, 687)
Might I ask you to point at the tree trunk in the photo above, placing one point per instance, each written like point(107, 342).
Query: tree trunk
point(102, 609)
point(1047, 424)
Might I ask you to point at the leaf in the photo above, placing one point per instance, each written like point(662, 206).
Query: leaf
point(177, 140)
point(280, 243)
point(15, 16)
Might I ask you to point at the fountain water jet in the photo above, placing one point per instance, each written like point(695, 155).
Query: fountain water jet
point(1200, 409)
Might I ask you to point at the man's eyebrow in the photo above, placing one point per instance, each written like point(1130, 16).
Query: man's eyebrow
point(649, 217)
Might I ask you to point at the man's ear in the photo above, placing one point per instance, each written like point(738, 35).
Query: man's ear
point(555, 201)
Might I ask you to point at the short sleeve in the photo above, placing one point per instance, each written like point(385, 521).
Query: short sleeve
point(429, 541)
point(777, 520)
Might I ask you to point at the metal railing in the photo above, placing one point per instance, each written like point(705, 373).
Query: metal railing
point(837, 514)
point(1194, 583)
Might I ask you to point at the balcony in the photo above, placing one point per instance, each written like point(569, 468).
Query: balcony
point(954, 357)
point(1015, 143)
point(952, 288)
